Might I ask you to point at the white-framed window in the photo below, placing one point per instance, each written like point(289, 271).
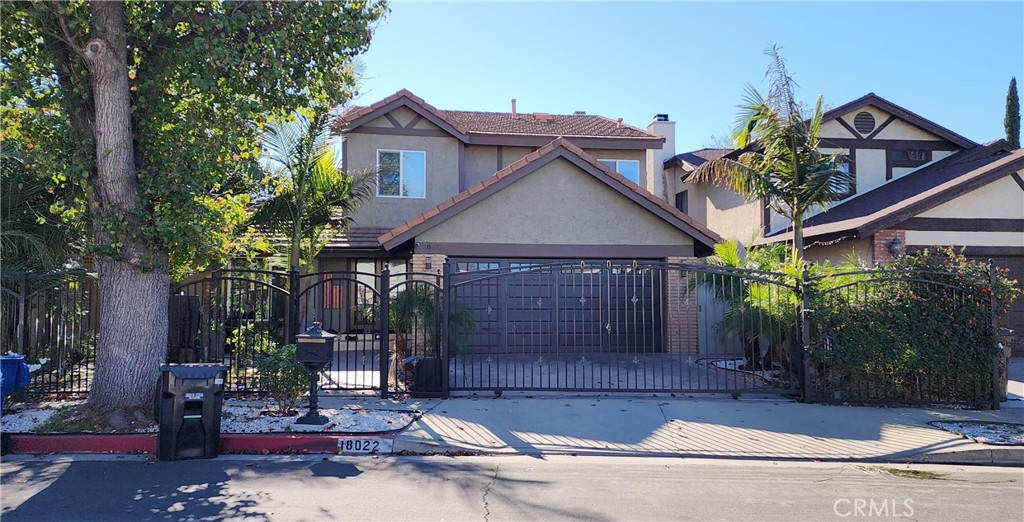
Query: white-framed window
point(630, 169)
point(401, 173)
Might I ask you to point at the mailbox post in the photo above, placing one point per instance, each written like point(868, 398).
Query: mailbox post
point(314, 349)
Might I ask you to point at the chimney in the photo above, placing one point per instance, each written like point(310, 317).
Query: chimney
point(658, 182)
point(513, 107)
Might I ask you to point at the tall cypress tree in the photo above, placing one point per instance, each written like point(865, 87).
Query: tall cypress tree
point(1012, 120)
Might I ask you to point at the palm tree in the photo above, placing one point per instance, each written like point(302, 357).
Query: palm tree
point(780, 162)
point(312, 197)
point(31, 239)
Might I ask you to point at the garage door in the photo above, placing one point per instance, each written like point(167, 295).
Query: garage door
point(537, 306)
point(1015, 264)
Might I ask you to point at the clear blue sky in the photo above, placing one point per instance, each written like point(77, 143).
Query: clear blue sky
point(949, 62)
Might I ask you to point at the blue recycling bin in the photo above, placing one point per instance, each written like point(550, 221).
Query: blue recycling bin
point(14, 374)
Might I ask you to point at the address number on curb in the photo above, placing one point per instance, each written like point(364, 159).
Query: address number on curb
point(364, 446)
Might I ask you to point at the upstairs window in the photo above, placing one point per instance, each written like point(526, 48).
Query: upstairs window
point(401, 173)
point(630, 169)
point(851, 185)
point(683, 201)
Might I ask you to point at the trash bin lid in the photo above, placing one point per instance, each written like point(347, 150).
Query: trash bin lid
point(194, 371)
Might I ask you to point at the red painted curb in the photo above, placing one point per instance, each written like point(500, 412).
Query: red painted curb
point(84, 443)
point(245, 443)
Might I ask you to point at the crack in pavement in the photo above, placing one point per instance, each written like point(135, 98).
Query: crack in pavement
point(487, 491)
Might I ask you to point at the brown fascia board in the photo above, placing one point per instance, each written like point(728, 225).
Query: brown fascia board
point(401, 99)
point(947, 192)
point(588, 142)
point(910, 207)
point(559, 148)
point(405, 98)
point(887, 106)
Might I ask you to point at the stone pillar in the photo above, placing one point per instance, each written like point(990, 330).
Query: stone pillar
point(680, 310)
point(880, 242)
point(418, 263)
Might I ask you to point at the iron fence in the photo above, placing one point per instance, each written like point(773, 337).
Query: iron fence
point(555, 325)
point(902, 337)
point(53, 319)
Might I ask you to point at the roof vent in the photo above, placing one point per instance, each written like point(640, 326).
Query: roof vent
point(618, 123)
point(542, 117)
point(661, 117)
point(864, 122)
point(513, 107)
point(580, 113)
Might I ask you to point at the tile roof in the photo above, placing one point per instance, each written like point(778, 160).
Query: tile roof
point(916, 192)
point(437, 214)
point(502, 123)
point(554, 125)
point(363, 238)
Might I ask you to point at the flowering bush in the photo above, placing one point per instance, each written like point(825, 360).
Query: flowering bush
point(917, 330)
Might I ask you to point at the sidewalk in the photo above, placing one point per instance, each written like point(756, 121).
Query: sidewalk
point(534, 424)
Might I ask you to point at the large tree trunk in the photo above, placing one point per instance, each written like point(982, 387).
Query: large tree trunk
point(134, 282)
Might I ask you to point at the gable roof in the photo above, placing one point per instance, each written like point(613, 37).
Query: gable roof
point(912, 194)
point(696, 158)
point(356, 116)
point(464, 125)
point(559, 148)
point(891, 108)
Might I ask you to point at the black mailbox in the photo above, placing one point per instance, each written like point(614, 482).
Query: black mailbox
point(314, 349)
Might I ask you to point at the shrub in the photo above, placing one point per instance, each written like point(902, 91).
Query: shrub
point(282, 377)
point(918, 329)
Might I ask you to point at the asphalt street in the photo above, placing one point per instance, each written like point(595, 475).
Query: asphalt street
point(279, 488)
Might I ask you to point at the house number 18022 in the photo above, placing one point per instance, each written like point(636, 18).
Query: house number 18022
point(354, 445)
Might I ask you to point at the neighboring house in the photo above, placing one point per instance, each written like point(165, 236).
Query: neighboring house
point(490, 190)
point(916, 184)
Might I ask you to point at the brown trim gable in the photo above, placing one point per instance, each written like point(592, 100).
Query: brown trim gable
point(559, 148)
point(387, 105)
point(880, 103)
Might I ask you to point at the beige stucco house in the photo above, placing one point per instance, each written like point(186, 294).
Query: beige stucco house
point(488, 190)
point(917, 184)
point(454, 184)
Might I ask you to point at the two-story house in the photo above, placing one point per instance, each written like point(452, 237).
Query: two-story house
point(492, 190)
point(916, 184)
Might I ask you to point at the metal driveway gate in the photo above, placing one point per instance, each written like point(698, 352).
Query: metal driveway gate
point(617, 325)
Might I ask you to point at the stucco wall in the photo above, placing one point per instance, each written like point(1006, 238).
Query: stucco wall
point(1002, 198)
point(935, 237)
point(837, 253)
point(442, 175)
point(870, 169)
point(557, 204)
point(481, 161)
point(833, 129)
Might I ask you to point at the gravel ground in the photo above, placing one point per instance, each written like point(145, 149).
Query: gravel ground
point(1000, 433)
point(237, 417)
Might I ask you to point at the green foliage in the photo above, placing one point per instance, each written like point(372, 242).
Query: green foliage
point(781, 163)
point(919, 329)
point(761, 302)
point(282, 377)
point(413, 316)
point(31, 238)
point(309, 197)
point(199, 73)
point(1011, 122)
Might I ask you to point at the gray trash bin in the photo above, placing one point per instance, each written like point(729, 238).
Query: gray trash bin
point(189, 403)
